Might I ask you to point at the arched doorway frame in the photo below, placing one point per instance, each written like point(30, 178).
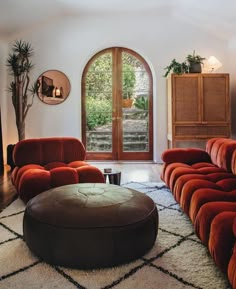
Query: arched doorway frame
point(151, 72)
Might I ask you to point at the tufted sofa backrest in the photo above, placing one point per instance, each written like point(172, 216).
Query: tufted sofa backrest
point(46, 150)
point(221, 151)
point(233, 164)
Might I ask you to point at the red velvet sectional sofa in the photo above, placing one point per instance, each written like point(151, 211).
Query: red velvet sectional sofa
point(45, 163)
point(203, 182)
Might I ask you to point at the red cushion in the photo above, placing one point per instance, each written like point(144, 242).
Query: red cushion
point(18, 172)
point(222, 239)
point(33, 182)
point(232, 268)
point(203, 196)
point(233, 162)
point(221, 151)
point(232, 262)
point(77, 164)
point(53, 165)
point(182, 181)
point(168, 169)
point(63, 176)
point(89, 174)
point(188, 155)
point(47, 150)
point(205, 216)
point(189, 190)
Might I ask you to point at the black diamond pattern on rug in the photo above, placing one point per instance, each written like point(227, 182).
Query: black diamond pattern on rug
point(178, 260)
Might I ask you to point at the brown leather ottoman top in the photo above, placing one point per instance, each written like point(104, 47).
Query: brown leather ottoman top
point(90, 225)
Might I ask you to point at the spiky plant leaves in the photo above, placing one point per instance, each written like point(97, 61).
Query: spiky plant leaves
point(19, 66)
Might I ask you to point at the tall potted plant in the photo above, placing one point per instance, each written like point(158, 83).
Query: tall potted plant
point(19, 65)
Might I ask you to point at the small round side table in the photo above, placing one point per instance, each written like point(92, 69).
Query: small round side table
point(113, 176)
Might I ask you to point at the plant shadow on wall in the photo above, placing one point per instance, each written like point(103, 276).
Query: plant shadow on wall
point(19, 65)
point(192, 64)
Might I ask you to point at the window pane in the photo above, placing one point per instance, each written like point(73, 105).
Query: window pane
point(135, 111)
point(99, 105)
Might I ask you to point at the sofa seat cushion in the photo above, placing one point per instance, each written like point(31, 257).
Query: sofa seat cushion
point(222, 239)
point(19, 171)
point(186, 184)
point(206, 195)
point(77, 164)
point(205, 216)
point(168, 169)
point(54, 165)
point(189, 188)
point(232, 263)
point(202, 171)
point(30, 180)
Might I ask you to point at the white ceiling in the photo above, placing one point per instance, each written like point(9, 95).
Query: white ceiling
point(217, 16)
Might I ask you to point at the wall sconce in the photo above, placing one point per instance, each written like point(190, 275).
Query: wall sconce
point(212, 64)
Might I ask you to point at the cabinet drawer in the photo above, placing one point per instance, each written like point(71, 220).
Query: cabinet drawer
point(198, 131)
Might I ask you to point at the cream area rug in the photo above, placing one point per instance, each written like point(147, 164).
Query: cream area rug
point(178, 260)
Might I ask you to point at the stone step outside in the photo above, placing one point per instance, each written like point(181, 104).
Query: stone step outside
point(135, 137)
point(125, 138)
point(128, 146)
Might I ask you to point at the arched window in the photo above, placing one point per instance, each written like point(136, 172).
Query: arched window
point(117, 105)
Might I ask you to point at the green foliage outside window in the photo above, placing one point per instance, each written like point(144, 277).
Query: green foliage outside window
point(129, 80)
point(99, 112)
point(99, 87)
point(141, 103)
point(99, 77)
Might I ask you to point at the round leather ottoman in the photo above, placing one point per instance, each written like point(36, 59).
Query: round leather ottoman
point(90, 225)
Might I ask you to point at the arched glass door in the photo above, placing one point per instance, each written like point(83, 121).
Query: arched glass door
point(117, 122)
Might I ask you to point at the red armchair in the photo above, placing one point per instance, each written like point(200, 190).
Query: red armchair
point(44, 163)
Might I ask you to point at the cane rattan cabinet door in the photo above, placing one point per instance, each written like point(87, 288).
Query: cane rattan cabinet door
point(198, 108)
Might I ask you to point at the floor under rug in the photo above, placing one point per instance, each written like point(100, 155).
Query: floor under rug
point(178, 260)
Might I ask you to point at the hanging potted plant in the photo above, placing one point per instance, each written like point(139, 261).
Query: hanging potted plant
point(19, 66)
point(195, 62)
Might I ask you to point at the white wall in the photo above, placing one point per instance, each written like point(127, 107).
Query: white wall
point(232, 57)
point(69, 43)
point(3, 93)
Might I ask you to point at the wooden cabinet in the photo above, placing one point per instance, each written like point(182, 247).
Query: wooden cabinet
point(198, 108)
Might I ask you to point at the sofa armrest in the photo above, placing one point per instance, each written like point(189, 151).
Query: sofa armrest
point(185, 155)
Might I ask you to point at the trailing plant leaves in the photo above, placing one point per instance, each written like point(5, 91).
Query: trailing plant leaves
point(176, 67)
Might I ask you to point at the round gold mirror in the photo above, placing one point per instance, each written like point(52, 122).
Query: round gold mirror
point(53, 87)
